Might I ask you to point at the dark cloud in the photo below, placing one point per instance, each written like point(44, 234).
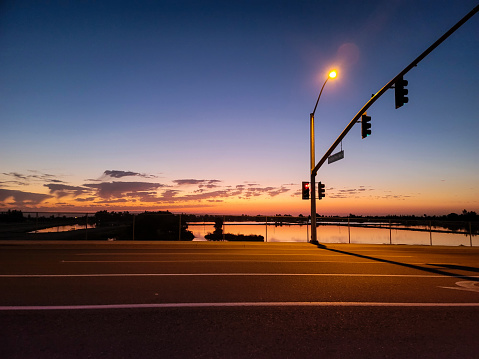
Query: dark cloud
point(107, 190)
point(89, 199)
point(278, 191)
point(257, 191)
point(200, 183)
point(169, 195)
point(108, 201)
point(185, 182)
point(241, 191)
point(18, 198)
point(121, 174)
point(61, 190)
point(209, 195)
point(210, 184)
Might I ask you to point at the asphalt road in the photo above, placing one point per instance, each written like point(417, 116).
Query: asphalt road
point(237, 300)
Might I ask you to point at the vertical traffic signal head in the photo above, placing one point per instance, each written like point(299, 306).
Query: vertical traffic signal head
point(321, 191)
point(305, 190)
point(365, 126)
point(400, 92)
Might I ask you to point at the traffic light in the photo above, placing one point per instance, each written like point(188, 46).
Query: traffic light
point(365, 126)
point(305, 190)
point(321, 192)
point(400, 92)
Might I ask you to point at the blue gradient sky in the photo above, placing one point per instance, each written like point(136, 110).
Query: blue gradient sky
point(203, 106)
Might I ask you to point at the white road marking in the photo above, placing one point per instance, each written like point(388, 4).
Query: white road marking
point(226, 275)
point(218, 260)
point(316, 254)
point(465, 285)
point(233, 304)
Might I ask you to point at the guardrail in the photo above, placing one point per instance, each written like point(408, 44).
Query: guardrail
point(168, 226)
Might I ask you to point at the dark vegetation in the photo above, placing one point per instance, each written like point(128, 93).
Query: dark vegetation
point(161, 226)
point(467, 222)
point(108, 225)
point(218, 235)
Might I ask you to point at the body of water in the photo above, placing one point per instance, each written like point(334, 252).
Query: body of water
point(339, 234)
point(70, 227)
point(330, 233)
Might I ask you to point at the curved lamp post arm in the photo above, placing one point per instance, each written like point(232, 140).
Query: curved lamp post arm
point(320, 92)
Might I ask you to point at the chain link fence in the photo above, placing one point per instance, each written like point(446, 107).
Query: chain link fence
point(167, 226)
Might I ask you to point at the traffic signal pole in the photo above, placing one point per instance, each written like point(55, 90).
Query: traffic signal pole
point(373, 99)
point(312, 185)
point(313, 173)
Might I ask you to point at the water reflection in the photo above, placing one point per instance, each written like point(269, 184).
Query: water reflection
point(70, 227)
point(339, 234)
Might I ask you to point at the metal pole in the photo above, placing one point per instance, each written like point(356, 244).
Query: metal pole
point(86, 226)
point(470, 233)
point(266, 222)
point(349, 233)
point(313, 181)
point(133, 235)
point(179, 233)
point(307, 231)
point(313, 170)
point(390, 236)
point(430, 233)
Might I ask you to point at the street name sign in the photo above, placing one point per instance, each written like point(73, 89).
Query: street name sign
point(336, 157)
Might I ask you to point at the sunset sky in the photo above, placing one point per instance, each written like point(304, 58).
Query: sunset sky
point(203, 106)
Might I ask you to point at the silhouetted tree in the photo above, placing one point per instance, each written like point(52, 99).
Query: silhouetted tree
point(163, 226)
point(12, 216)
point(217, 235)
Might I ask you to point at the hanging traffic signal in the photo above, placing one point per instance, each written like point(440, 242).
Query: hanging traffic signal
point(400, 92)
point(305, 190)
point(321, 192)
point(365, 126)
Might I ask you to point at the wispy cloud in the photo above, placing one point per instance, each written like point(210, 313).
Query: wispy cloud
point(110, 189)
point(347, 192)
point(24, 179)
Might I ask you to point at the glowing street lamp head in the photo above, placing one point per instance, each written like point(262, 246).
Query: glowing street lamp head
point(332, 74)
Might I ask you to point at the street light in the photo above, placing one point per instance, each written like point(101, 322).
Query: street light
point(332, 74)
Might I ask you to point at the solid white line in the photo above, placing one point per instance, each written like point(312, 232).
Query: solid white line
point(228, 274)
point(218, 260)
point(229, 252)
point(234, 304)
point(233, 253)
